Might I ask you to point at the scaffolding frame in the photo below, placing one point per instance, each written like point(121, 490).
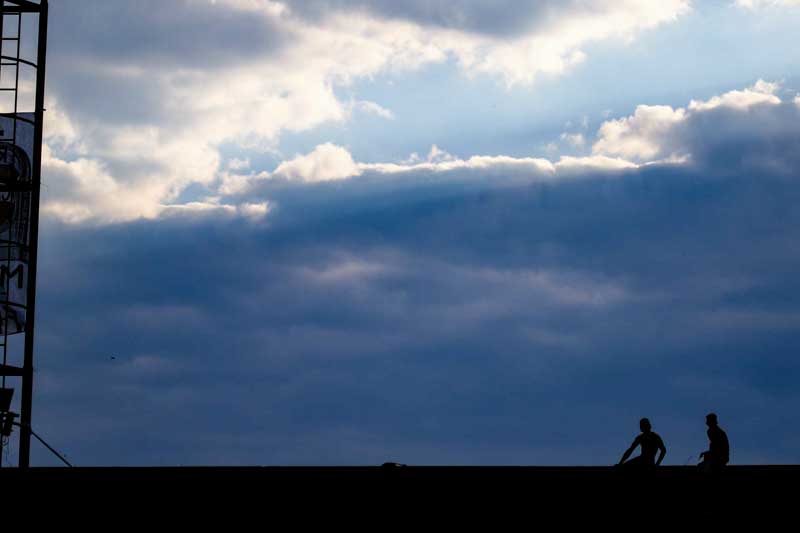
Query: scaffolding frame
point(24, 249)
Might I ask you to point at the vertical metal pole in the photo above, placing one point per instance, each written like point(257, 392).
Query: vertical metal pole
point(27, 367)
point(2, 21)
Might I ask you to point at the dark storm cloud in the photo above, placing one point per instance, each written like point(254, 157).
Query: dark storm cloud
point(532, 324)
point(108, 60)
point(110, 98)
point(461, 319)
point(160, 35)
point(764, 138)
point(501, 18)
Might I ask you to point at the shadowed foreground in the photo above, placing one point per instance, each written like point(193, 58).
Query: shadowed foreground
point(570, 493)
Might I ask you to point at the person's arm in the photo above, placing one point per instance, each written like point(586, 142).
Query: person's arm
point(663, 450)
point(710, 444)
point(629, 451)
point(710, 441)
point(726, 448)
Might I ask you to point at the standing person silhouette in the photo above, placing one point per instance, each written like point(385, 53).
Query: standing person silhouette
point(650, 443)
point(718, 453)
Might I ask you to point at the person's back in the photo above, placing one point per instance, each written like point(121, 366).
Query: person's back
point(651, 443)
point(718, 448)
point(718, 454)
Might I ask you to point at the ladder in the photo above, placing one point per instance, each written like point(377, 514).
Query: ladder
point(14, 201)
point(10, 34)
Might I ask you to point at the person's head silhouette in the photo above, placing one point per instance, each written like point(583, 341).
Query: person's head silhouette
point(644, 425)
point(711, 420)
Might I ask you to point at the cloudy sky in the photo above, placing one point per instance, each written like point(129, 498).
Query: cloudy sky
point(426, 231)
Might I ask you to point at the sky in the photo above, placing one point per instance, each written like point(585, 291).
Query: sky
point(485, 232)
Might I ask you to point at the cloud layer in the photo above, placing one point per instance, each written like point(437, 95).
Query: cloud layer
point(141, 108)
point(489, 310)
point(761, 126)
point(198, 305)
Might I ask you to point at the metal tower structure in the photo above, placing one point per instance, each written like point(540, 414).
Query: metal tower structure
point(23, 29)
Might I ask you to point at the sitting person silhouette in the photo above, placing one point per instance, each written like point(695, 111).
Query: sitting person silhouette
point(718, 453)
point(650, 443)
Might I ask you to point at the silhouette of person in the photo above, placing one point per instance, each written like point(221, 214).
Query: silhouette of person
point(718, 453)
point(650, 443)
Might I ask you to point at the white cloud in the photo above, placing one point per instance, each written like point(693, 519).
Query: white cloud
point(248, 104)
point(761, 93)
point(372, 108)
point(193, 108)
point(652, 135)
point(60, 129)
point(654, 132)
point(437, 155)
point(198, 209)
point(550, 148)
point(755, 4)
point(640, 136)
point(511, 165)
point(81, 189)
point(255, 211)
point(85, 189)
point(231, 183)
point(575, 139)
point(518, 41)
point(555, 48)
point(68, 212)
point(129, 174)
point(327, 162)
point(593, 163)
point(238, 164)
point(212, 207)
